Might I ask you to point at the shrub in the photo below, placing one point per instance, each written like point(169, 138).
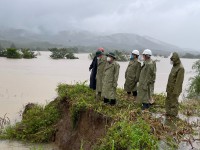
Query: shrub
point(62, 53)
point(13, 53)
point(194, 88)
point(27, 53)
point(37, 125)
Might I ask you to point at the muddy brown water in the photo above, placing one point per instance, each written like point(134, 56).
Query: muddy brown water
point(35, 80)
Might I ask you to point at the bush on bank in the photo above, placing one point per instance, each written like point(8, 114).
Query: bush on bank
point(37, 124)
point(194, 87)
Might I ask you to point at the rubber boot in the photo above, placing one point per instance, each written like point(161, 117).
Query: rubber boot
point(106, 101)
point(112, 102)
point(145, 106)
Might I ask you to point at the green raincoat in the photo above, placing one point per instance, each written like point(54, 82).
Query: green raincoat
point(146, 81)
point(132, 76)
point(174, 86)
point(110, 78)
point(100, 72)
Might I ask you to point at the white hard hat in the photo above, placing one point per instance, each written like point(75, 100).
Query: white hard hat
point(136, 52)
point(147, 52)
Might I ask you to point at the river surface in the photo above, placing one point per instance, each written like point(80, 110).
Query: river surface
point(35, 80)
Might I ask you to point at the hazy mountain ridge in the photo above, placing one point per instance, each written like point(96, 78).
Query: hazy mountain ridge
point(123, 41)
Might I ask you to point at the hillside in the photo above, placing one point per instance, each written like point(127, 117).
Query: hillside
point(84, 40)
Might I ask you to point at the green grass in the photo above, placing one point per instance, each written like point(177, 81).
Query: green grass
point(125, 135)
point(37, 125)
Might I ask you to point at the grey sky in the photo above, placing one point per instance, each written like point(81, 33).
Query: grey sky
point(173, 21)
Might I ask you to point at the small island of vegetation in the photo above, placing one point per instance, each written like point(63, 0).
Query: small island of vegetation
point(63, 53)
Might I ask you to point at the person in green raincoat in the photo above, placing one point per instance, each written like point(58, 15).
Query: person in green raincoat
point(146, 80)
point(100, 70)
point(132, 75)
point(174, 86)
point(110, 78)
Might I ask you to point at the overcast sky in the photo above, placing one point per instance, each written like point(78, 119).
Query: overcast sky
point(173, 21)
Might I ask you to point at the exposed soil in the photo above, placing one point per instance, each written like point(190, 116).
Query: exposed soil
point(90, 127)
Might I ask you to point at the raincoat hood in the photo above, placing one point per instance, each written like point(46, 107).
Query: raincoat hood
point(175, 58)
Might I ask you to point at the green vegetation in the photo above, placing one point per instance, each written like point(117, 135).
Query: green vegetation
point(120, 56)
point(37, 125)
point(129, 127)
point(194, 88)
point(28, 54)
point(14, 53)
point(62, 53)
point(126, 135)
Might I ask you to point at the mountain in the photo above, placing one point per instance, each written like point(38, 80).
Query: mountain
point(85, 40)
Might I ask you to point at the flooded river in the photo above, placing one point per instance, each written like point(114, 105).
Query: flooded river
point(35, 80)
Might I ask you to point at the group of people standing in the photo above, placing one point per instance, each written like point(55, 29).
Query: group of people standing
point(140, 78)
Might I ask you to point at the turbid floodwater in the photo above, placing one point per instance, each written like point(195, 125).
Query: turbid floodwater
point(35, 80)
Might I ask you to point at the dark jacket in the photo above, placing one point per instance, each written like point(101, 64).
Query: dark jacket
point(93, 67)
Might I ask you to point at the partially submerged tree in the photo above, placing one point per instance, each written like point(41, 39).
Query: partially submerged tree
point(13, 53)
point(63, 53)
point(28, 54)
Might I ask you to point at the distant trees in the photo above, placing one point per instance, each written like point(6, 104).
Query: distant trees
point(189, 55)
point(28, 54)
point(17, 54)
point(13, 53)
point(62, 53)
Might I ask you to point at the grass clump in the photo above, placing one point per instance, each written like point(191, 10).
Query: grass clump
point(37, 125)
point(125, 135)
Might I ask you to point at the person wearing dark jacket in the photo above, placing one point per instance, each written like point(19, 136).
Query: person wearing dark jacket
point(93, 69)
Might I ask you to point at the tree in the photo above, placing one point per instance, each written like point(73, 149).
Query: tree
point(63, 53)
point(13, 53)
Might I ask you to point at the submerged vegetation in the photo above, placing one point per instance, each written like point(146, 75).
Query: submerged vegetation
point(194, 88)
point(120, 56)
point(130, 127)
point(17, 54)
point(62, 53)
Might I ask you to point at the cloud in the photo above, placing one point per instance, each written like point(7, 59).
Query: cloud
point(175, 22)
